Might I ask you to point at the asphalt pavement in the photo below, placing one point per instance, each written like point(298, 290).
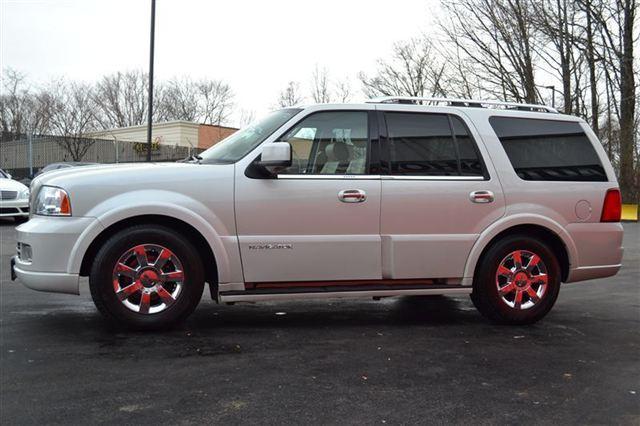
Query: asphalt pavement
point(427, 360)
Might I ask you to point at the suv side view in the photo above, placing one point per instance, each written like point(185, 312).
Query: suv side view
point(393, 197)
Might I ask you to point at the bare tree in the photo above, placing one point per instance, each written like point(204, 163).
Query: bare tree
point(320, 92)
point(15, 102)
point(203, 101)
point(290, 95)
point(180, 101)
point(343, 91)
point(72, 115)
point(497, 36)
point(556, 21)
point(216, 101)
point(246, 117)
point(121, 99)
point(615, 23)
point(412, 71)
point(626, 11)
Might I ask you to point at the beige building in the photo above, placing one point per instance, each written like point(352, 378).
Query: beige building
point(172, 133)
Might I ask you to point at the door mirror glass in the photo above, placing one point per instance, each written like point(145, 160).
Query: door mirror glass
point(276, 155)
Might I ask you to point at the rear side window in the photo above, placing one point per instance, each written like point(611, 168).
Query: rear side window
point(548, 149)
point(423, 144)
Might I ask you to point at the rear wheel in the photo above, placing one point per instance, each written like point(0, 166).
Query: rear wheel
point(147, 277)
point(518, 281)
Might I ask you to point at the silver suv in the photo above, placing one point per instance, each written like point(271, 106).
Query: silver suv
point(394, 197)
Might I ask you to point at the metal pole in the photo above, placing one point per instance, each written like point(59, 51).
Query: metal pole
point(553, 95)
point(30, 139)
point(151, 48)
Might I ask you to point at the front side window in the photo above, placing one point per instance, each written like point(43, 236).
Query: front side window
point(329, 143)
point(548, 150)
point(423, 144)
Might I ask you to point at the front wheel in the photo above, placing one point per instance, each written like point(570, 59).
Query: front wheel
point(517, 282)
point(147, 277)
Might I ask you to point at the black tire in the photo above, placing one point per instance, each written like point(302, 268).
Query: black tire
point(102, 286)
point(485, 295)
point(20, 219)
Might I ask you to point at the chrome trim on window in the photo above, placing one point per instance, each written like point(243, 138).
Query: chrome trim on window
point(331, 177)
point(474, 178)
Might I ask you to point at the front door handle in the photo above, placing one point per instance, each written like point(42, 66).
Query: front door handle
point(352, 196)
point(481, 197)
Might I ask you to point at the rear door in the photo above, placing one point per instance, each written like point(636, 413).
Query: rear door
point(438, 194)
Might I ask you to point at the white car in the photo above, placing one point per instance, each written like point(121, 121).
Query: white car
point(394, 197)
point(14, 198)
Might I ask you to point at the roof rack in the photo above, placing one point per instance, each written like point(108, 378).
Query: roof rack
point(472, 103)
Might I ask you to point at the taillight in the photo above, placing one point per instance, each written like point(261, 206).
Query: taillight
point(612, 207)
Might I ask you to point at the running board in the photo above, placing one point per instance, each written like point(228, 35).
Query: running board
point(258, 295)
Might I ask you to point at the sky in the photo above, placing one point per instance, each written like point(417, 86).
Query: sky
point(255, 46)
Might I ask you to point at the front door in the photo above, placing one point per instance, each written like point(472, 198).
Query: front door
point(438, 194)
point(319, 220)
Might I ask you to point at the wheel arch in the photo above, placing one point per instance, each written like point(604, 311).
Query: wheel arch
point(543, 228)
point(210, 259)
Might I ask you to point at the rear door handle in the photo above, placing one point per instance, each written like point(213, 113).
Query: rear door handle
point(481, 197)
point(352, 196)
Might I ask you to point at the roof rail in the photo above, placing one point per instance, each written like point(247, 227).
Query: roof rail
point(473, 103)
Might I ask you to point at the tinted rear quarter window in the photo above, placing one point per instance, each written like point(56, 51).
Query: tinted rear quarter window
point(548, 150)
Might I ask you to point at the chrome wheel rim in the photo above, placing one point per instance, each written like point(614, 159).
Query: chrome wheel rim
point(148, 278)
point(521, 279)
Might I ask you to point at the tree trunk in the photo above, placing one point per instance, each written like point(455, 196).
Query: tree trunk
point(591, 63)
point(627, 106)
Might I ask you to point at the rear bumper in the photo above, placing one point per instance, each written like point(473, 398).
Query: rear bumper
point(592, 272)
point(599, 250)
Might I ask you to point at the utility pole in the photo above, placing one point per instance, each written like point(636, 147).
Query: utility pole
point(150, 106)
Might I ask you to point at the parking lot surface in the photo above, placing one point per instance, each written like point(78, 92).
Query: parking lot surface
point(401, 360)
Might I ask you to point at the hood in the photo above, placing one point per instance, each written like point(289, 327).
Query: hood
point(73, 175)
point(89, 186)
point(11, 185)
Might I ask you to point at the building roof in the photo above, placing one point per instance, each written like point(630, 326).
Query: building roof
point(158, 125)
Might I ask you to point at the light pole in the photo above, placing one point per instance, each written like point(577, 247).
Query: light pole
point(150, 106)
point(553, 95)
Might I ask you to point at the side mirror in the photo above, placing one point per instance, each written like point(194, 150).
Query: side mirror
point(276, 155)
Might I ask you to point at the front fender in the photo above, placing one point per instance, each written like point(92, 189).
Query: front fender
point(149, 202)
point(509, 222)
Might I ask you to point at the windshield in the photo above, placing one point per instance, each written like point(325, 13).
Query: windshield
point(242, 142)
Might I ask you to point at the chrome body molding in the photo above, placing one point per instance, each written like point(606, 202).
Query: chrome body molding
point(380, 177)
point(343, 294)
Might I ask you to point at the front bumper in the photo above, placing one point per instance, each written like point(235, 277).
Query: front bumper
point(53, 241)
point(45, 281)
point(13, 208)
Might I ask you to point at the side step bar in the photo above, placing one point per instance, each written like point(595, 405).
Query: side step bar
point(261, 295)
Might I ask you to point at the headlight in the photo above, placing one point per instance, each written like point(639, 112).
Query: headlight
point(52, 201)
point(23, 195)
